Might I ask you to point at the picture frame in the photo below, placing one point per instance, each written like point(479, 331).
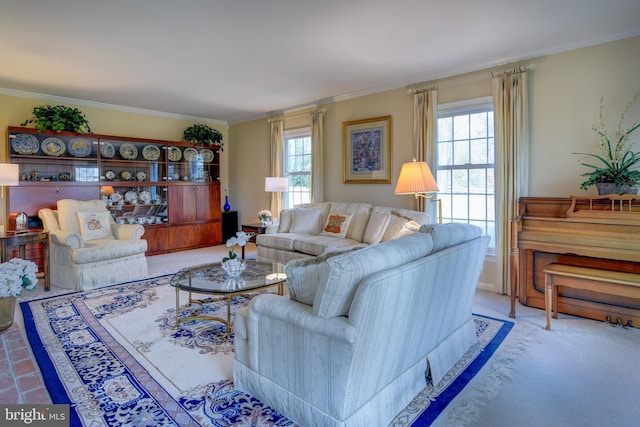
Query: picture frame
point(367, 151)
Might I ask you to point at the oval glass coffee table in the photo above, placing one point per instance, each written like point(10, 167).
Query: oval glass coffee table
point(211, 279)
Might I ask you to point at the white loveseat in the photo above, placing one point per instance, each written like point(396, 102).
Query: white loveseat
point(88, 250)
point(309, 230)
point(361, 330)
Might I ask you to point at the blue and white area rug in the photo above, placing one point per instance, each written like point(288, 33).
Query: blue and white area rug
point(114, 355)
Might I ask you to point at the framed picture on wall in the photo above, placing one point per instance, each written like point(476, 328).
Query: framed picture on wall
point(367, 151)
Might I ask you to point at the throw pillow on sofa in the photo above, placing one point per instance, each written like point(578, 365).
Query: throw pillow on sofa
point(399, 226)
point(307, 220)
point(337, 225)
point(377, 225)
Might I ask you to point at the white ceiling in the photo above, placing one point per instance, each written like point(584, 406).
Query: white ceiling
point(238, 60)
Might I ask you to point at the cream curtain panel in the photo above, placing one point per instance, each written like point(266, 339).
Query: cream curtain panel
point(510, 103)
point(425, 120)
point(317, 144)
point(277, 159)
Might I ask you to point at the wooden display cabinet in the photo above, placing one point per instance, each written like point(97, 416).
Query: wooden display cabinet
point(173, 185)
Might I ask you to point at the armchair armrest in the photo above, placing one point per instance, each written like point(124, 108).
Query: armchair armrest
point(64, 238)
point(299, 316)
point(127, 231)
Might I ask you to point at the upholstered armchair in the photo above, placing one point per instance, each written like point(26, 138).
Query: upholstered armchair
point(88, 250)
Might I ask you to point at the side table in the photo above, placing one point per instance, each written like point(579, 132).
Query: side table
point(256, 228)
point(11, 239)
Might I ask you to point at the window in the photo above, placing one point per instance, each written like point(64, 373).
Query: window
point(465, 166)
point(297, 166)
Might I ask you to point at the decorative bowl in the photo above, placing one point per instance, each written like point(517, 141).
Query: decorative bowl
point(234, 267)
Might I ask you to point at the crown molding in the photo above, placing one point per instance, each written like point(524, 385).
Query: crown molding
point(104, 106)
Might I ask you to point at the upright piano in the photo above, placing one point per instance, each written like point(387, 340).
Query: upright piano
point(599, 232)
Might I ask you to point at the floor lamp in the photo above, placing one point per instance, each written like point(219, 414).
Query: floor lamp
point(276, 184)
point(416, 178)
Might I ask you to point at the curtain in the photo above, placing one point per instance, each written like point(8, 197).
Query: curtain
point(317, 144)
point(512, 168)
point(277, 159)
point(425, 119)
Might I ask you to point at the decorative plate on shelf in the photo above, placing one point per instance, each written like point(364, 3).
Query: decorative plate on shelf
point(126, 175)
point(145, 197)
point(151, 152)
point(52, 146)
point(106, 150)
point(25, 143)
point(190, 154)
point(130, 196)
point(128, 151)
point(174, 154)
point(110, 175)
point(116, 197)
point(79, 147)
point(207, 155)
point(141, 176)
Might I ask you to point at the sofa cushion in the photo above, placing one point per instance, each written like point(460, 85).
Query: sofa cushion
point(419, 217)
point(360, 216)
point(95, 225)
point(399, 226)
point(446, 235)
point(336, 225)
point(303, 275)
point(68, 209)
point(286, 217)
point(283, 241)
point(316, 245)
point(107, 249)
point(377, 225)
point(339, 282)
point(307, 220)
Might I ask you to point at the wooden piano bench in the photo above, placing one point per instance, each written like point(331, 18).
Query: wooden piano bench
point(589, 279)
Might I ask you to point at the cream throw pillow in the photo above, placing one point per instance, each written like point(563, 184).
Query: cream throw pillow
point(337, 225)
point(376, 227)
point(399, 226)
point(95, 225)
point(306, 221)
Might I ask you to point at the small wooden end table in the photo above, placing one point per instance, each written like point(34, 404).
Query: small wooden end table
point(10, 240)
point(256, 228)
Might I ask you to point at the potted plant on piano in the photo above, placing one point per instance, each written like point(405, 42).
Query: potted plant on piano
point(615, 165)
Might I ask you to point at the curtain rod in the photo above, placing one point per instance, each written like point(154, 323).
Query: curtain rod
point(420, 88)
point(288, 116)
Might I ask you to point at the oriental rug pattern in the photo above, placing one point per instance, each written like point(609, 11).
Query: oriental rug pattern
point(115, 356)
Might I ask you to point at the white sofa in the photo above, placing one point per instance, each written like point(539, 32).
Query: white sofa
point(88, 250)
point(308, 230)
point(353, 343)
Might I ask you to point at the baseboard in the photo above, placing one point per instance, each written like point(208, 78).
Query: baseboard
point(487, 287)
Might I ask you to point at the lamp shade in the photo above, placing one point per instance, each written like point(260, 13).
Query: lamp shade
point(9, 174)
point(416, 177)
point(275, 184)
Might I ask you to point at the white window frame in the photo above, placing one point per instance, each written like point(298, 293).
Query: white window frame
point(488, 222)
point(294, 196)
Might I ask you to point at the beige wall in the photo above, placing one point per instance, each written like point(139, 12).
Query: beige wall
point(14, 110)
point(564, 100)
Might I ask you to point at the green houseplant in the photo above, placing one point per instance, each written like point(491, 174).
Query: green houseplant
point(59, 118)
point(201, 134)
point(615, 165)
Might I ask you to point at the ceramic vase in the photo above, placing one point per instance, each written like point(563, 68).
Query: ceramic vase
point(227, 206)
point(7, 309)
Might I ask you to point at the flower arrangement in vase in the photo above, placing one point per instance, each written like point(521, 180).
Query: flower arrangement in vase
point(265, 217)
point(616, 170)
point(16, 275)
point(232, 264)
